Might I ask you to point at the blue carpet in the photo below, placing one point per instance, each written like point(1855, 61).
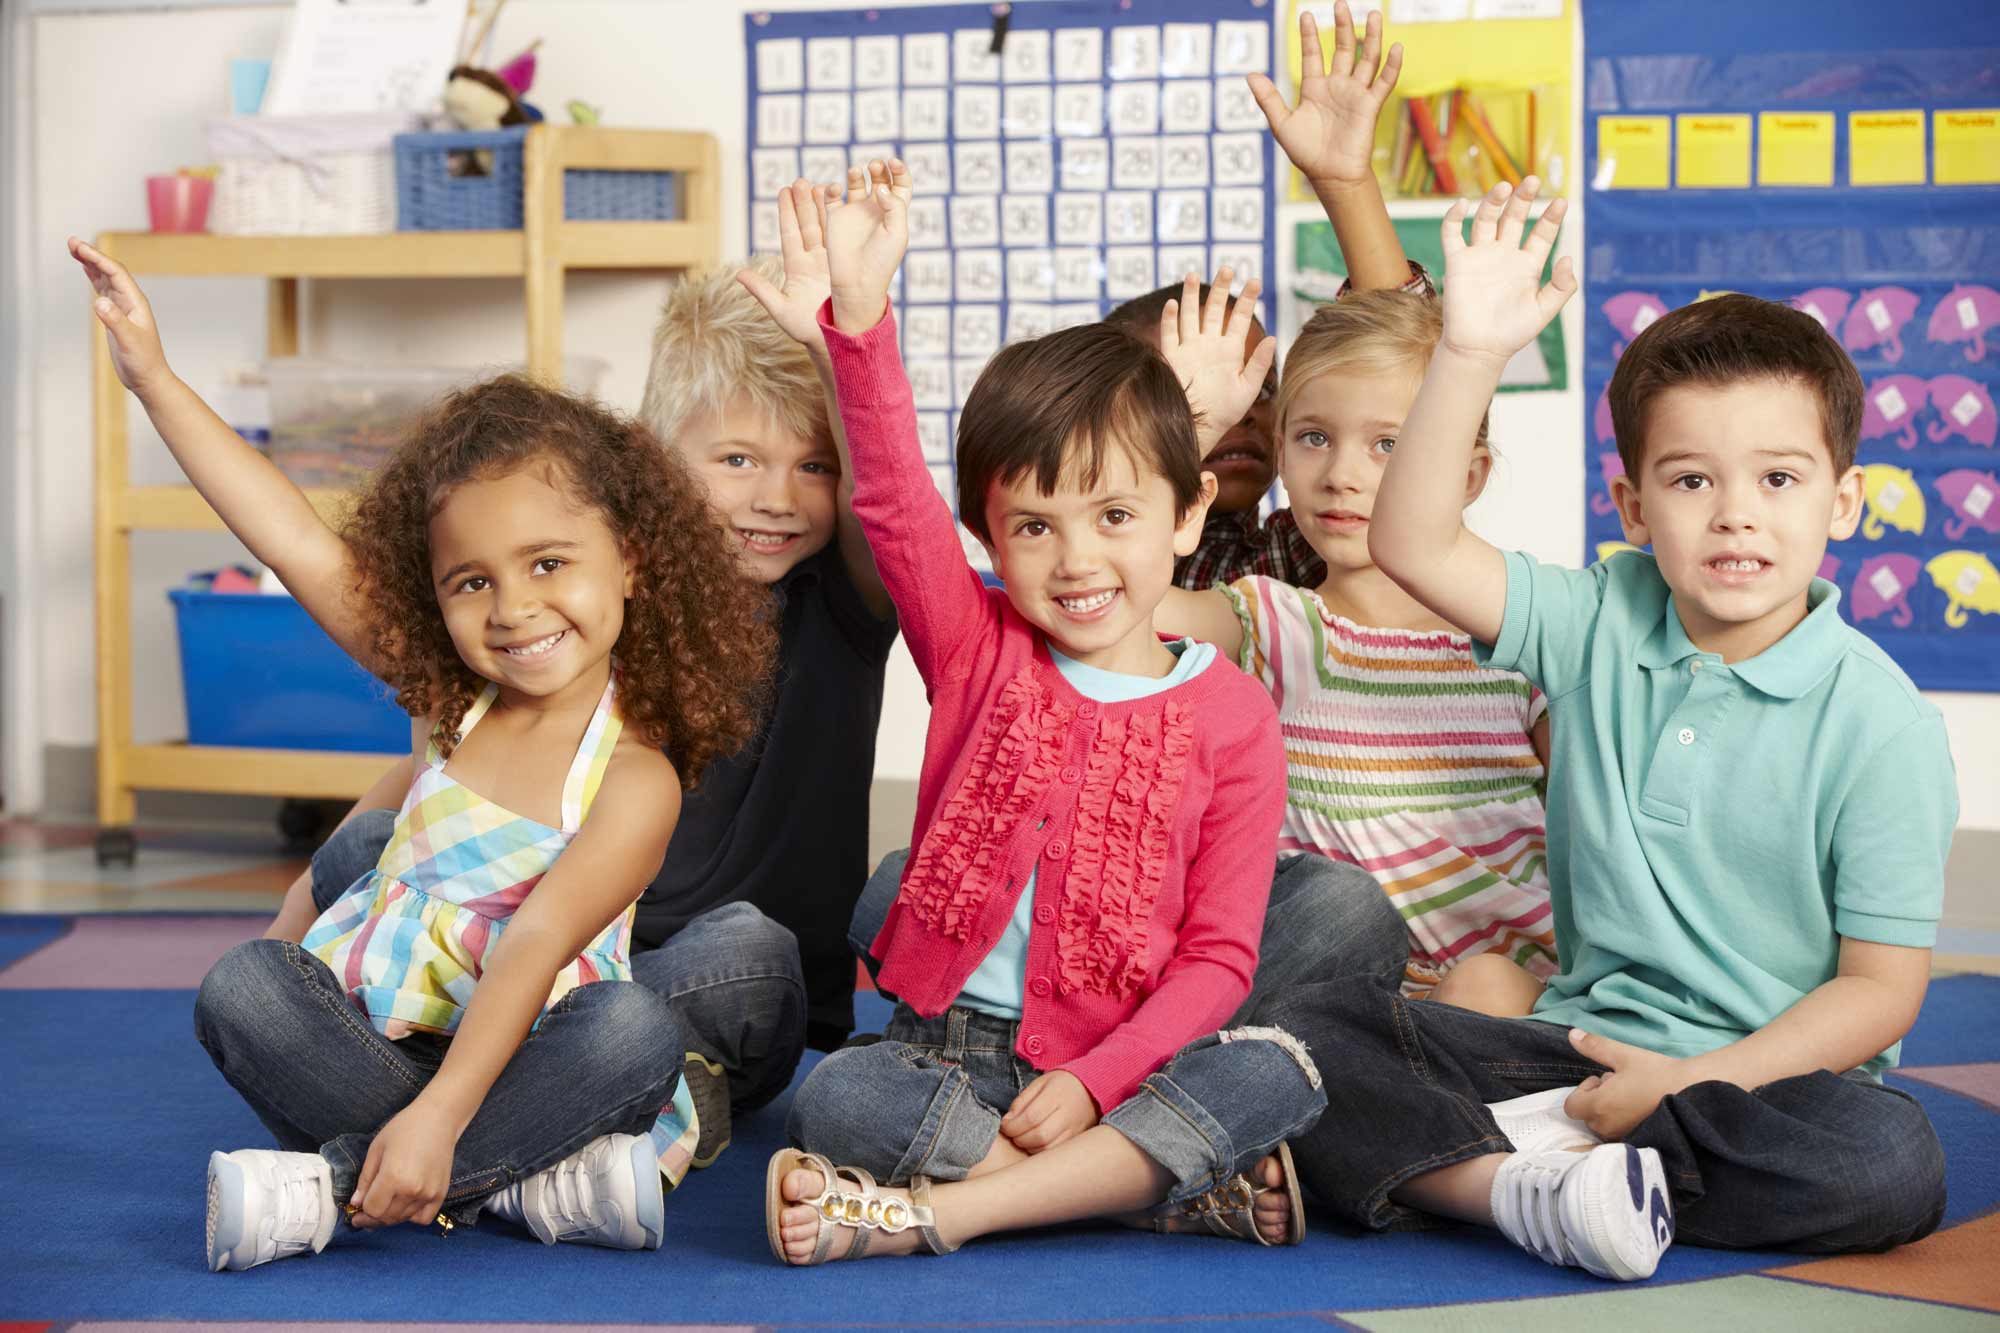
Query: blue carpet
point(111, 1109)
point(22, 935)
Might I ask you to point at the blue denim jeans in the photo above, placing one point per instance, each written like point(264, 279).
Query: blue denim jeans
point(928, 1098)
point(603, 1060)
point(1818, 1163)
point(732, 974)
point(1326, 919)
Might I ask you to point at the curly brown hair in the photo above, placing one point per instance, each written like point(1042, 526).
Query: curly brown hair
point(696, 650)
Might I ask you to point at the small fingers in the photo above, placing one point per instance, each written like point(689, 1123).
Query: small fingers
point(1486, 219)
point(1371, 46)
point(1543, 238)
point(1243, 309)
point(1170, 325)
point(857, 184)
point(1269, 100)
point(1215, 313)
point(1343, 40)
point(1312, 56)
point(1392, 69)
point(1514, 217)
point(900, 179)
point(1453, 228)
point(1190, 308)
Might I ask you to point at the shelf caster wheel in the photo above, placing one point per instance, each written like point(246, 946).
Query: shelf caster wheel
point(300, 822)
point(116, 846)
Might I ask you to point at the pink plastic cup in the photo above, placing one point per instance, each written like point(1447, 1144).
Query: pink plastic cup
point(179, 203)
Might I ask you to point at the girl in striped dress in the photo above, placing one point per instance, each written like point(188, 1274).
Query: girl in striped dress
point(1402, 754)
point(541, 583)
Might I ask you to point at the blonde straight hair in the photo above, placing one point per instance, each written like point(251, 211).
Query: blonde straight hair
point(1363, 333)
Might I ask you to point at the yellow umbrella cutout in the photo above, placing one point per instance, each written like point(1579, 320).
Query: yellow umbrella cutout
point(1967, 579)
point(1893, 497)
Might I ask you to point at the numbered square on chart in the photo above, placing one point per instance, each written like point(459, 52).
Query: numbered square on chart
point(1031, 167)
point(927, 276)
point(1244, 47)
point(1184, 50)
point(1080, 109)
point(1076, 271)
point(876, 61)
point(772, 169)
point(1236, 214)
point(764, 235)
point(877, 114)
point(830, 62)
point(972, 58)
point(781, 65)
point(975, 112)
point(1069, 316)
point(942, 475)
point(978, 275)
point(1184, 160)
point(1028, 112)
point(926, 332)
point(934, 437)
point(930, 383)
point(829, 117)
point(1085, 164)
point(975, 220)
point(978, 168)
point(1079, 55)
point(1135, 108)
point(1177, 261)
point(781, 120)
point(1128, 271)
point(930, 167)
point(1135, 163)
point(927, 223)
point(1135, 53)
point(861, 154)
point(926, 60)
point(1183, 217)
point(1028, 319)
point(925, 113)
point(1128, 217)
point(975, 330)
point(824, 166)
point(1187, 106)
point(1031, 275)
point(1024, 220)
point(1027, 58)
point(965, 372)
point(1237, 159)
point(1079, 219)
point(1244, 262)
point(1235, 108)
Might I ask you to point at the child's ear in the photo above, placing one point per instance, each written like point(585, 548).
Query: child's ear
point(631, 570)
point(1476, 474)
point(1847, 500)
point(1187, 529)
point(1631, 515)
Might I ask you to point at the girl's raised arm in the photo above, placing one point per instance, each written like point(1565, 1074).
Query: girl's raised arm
point(259, 504)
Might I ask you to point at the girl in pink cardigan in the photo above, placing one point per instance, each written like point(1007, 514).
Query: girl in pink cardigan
point(1098, 809)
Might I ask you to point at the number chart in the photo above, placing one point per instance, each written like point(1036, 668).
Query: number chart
point(1102, 151)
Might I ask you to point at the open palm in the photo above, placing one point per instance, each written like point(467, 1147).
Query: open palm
point(802, 242)
point(866, 235)
point(1494, 300)
point(1330, 134)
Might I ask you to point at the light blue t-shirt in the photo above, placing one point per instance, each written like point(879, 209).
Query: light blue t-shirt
point(1715, 829)
point(995, 986)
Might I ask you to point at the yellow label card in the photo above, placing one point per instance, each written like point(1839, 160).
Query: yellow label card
point(1795, 148)
point(1632, 152)
point(1714, 152)
point(1968, 146)
point(1885, 147)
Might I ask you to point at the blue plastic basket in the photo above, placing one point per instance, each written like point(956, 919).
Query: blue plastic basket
point(430, 198)
point(256, 671)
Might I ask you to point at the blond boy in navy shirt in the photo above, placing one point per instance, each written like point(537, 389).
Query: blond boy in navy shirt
point(1749, 805)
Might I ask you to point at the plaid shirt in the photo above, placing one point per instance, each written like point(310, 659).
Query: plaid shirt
point(1234, 546)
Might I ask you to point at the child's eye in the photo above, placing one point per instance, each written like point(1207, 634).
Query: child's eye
point(549, 564)
point(821, 469)
point(1313, 439)
point(1779, 481)
point(1386, 445)
point(1034, 527)
point(1689, 481)
point(1117, 517)
point(477, 583)
point(1267, 391)
point(735, 460)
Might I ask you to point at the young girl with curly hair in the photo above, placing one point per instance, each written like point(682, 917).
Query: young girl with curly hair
point(542, 585)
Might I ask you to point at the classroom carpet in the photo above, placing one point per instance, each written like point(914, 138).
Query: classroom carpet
point(109, 1108)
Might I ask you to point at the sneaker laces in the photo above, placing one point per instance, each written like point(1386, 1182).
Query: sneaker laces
point(570, 1189)
point(1526, 1198)
point(295, 1205)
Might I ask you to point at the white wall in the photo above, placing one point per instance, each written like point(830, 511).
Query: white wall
point(118, 95)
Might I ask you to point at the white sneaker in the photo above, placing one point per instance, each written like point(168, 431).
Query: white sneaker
point(1606, 1211)
point(606, 1193)
point(1537, 1122)
point(265, 1205)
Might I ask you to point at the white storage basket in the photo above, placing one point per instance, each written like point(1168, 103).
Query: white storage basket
point(306, 175)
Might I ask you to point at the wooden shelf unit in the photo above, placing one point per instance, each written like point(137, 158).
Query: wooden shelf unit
point(540, 254)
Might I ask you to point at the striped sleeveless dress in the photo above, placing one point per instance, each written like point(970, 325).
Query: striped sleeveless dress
point(1405, 757)
point(410, 939)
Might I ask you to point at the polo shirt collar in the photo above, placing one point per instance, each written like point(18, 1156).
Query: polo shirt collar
point(1787, 669)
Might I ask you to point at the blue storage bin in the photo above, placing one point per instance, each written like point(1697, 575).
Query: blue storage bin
point(430, 198)
point(256, 671)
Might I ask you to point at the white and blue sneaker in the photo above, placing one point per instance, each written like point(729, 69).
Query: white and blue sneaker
point(1606, 1211)
point(264, 1204)
point(607, 1193)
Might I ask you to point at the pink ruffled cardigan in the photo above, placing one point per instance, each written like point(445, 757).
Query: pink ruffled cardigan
point(1153, 823)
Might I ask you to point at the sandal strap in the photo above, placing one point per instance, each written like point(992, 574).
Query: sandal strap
point(926, 1216)
point(1227, 1210)
point(850, 1197)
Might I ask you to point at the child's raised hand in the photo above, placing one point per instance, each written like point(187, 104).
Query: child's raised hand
point(1054, 1107)
point(1208, 348)
point(1330, 134)
point(127, 318)
point(1494, 300)
point(802, 238)
point(866, 235)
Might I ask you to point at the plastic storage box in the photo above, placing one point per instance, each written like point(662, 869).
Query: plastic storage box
point(429, 197)
point(256, 671)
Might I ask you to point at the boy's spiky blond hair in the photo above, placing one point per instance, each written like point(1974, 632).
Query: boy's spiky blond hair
point(715, 341)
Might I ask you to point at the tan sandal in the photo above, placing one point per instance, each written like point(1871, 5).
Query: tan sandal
point(847, 1198)
point(1230, 1208)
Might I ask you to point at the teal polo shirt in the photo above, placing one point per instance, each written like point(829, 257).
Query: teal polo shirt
point(1715, 829)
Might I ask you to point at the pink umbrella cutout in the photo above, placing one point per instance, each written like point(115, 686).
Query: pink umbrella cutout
point(1884, 585)
point(1974, 501)
point(1965, 315)
point(1631, 312)
point(1963, 408)
point(1611, 465)
point(1600, 419)
point(1891, 407)
point(1828, 305)
point(1877, 320)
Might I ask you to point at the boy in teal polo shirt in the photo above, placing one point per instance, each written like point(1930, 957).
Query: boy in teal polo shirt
point(1749, 810)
